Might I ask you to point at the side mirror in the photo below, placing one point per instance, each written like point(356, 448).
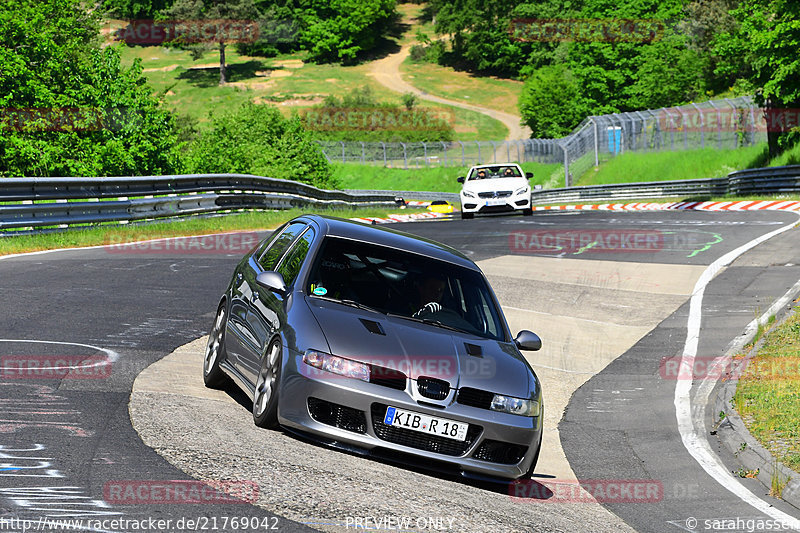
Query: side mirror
point(461, 180)
point(528, 340)
point(272, 281)
point(529, 175)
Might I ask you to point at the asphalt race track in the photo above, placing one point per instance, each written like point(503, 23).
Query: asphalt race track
point(608, 313)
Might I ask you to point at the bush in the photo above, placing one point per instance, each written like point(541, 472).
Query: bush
point(256, 139)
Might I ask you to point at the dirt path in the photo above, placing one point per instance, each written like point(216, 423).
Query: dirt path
point(386, 71)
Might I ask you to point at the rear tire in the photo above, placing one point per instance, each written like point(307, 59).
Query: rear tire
point(213, 376)
point(265, 398)
point(465, 216)
point(527, 212)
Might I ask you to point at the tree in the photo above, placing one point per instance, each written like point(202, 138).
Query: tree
point(551, 103)
point(256, 139)
point(68, 107)
point(766, 47)
point(339, 30)
point(216, 31)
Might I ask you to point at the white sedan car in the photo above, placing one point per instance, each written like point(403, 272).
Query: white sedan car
point(495, 188)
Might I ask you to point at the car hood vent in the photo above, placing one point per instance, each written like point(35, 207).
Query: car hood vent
point(372, 326)
point(473, 349)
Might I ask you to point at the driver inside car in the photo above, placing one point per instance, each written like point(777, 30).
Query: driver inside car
point(429, 295)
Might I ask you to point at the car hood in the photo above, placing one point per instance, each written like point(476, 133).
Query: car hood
point(495, 184)
point(461, 359)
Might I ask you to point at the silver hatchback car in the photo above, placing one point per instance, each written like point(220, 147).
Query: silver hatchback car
point(381, 343)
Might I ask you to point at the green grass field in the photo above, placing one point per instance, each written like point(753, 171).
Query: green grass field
point(104, 234)
point(768, 393)
point(438, 179)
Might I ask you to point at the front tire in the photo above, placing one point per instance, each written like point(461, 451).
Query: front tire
point(265, 398)
point(465, 216)
point(213, 376)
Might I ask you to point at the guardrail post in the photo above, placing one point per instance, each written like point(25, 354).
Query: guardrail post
point(594, 129)
point(719, 124)
point(702, 126)
point(463, 161)
point(383, 144)
point(508, 150)
point(425, 153)
point(566, 166)
point(494, 152)
point(405, 156)
point(343, 158)
point(444, 152)
point(734, 117)
point(363, 153)
point(479, 153)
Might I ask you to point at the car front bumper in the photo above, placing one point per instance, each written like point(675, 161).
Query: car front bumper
point(348, 411)
point(493, 205)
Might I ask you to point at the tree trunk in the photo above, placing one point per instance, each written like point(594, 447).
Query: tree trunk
point(222, 79)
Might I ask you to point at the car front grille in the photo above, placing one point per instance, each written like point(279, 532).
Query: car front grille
point(421, 441)
point(337, 415)
point(435, 389)
point(500, 452)
point(495, 194)
point(475, 397)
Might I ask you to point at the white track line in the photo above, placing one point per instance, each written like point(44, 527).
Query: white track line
point(691, 425)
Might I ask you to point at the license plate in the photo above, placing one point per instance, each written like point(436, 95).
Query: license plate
point(496, 201)
point(432, 425)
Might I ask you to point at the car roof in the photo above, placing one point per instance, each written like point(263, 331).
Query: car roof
point(349, 229)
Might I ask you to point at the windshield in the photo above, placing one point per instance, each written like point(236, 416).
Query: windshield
point(495, 171)
point(404, 284)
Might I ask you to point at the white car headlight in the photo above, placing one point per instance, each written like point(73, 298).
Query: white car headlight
point(336, 365)
point(468, 194)
point(523, 190)
point(515, 406)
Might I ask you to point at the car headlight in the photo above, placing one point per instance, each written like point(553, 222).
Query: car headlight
point(515, 406)
point(336, 365)
point(523, 190)
point(468, 194)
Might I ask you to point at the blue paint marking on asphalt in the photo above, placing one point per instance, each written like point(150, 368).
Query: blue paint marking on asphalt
point(4, 469)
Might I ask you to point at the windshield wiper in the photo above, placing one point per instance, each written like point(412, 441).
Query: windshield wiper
point(351, 303)
point(429, 322)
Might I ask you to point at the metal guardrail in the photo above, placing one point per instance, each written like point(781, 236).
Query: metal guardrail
point(41, 202)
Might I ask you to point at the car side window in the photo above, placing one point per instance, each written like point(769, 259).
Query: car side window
point(290, 266)
point(272, 255)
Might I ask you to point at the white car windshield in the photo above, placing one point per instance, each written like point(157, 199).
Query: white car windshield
point(495, 171)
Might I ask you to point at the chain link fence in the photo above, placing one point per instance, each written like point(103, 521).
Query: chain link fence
point(720, 124)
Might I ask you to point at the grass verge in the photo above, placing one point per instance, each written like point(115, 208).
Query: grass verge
point(105, 234)
point(768, 393)
point(438, 179)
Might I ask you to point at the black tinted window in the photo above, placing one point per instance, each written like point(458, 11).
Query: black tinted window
point(290, 266)
point(270, 258)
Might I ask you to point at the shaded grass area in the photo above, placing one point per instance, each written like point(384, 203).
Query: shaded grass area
point(106, 234)
point(768, 393)
point(438, 179)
